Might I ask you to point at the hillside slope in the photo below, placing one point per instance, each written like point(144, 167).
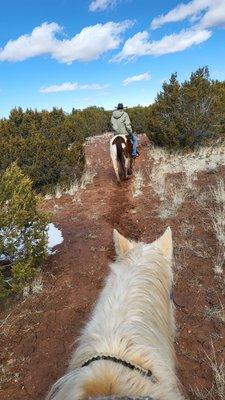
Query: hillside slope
point(37, 333)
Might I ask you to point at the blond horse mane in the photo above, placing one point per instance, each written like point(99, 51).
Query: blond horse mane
point(133, 320)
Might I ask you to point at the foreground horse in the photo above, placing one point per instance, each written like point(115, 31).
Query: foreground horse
point(126, 349)
point(120, 152)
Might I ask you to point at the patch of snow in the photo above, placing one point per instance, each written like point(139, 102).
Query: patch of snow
point(55, 236)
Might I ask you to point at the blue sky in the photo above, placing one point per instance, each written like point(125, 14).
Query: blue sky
point(76, 53)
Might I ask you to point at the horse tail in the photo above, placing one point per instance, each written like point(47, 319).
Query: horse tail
point(120, 152)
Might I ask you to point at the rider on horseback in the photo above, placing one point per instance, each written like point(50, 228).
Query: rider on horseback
point(121, 125)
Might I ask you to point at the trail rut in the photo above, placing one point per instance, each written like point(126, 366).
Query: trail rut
point(38, 333)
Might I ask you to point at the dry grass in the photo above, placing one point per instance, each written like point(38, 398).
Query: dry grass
point(200, 394)
point(188, 165)
point(218, 212)
point(10, 321)
point(173, 199)
point(215, 312)
point(138, 184)
point(35, 287)
point(164, 163)
point(59, 192)
point(219, 263)
point(186, 229)
point(71, 191)
point(213, 202)
point(218, 371)
point(219, 192)
point(87, 177)
point(217, 390)
point(98, 138)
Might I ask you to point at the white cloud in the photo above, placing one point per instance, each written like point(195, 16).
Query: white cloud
point(89, 44)
point(215, 16)
point(63, 87)
point(70, 87)
point(40, 41)
point(137, 78)
point(140, 45)
point(207, 13)
point(100, 5)
point(93, 86)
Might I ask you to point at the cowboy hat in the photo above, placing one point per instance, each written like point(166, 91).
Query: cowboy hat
point(120, 106)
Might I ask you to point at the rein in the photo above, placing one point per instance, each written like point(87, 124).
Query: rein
point(144, 372)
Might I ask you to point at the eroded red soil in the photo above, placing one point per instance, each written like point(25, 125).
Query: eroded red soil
point(38, 333)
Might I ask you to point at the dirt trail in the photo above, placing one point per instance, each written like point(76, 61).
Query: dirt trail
point(37, 334)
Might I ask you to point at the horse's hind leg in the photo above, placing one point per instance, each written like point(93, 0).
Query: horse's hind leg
point(123, 169)
point(116, 169)
point(121, 163)
point(130, 167)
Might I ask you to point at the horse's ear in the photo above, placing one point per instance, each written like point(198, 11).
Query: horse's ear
point(122, 245)
point(165, 243)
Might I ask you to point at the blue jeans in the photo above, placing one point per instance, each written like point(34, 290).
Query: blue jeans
point(134, 142)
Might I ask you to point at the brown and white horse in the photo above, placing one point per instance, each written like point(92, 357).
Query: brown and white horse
point(120, 153)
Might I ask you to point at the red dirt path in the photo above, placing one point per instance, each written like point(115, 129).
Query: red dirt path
point(38, 333)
